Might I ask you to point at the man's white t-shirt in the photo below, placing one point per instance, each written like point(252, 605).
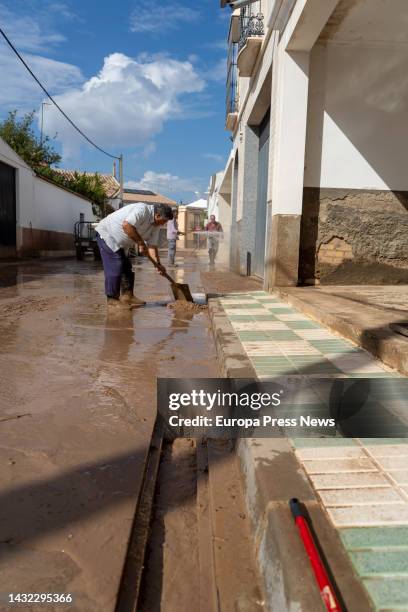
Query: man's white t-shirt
point(140, 215)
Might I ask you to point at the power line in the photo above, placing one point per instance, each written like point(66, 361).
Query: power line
point(10, 44)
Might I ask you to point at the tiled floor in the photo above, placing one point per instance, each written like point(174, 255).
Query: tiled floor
point(363, 484)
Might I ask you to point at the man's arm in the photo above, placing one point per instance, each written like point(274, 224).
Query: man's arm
point(132, 232)
point(153, 251)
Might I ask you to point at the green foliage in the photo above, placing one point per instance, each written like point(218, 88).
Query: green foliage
point(19, 134)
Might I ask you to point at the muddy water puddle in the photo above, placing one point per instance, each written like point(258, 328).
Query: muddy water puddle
point(88, 383)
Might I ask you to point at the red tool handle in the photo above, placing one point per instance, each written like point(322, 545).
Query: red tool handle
point(322, 579)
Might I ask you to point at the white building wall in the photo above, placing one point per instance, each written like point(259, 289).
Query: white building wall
point(42, 207)
point(358, 117)
point(339, 108)
point(56, 209)
point(213, 195)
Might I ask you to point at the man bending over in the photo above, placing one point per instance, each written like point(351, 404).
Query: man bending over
point(116, 234)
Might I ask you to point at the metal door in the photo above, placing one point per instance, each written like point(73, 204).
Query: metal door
point(262, 196)
point(7, 206)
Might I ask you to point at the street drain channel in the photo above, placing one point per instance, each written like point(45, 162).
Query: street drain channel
point(191, 546)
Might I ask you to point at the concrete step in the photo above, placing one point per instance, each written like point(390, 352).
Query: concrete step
point(365, 324)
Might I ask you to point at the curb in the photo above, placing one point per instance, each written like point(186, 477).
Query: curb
point(232, 361)
point(378, 340)
point(272, 475)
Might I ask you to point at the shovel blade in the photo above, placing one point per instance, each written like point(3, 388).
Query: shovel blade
point(181, 292)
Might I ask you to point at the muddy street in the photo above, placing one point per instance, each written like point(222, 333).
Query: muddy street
point(78, 405)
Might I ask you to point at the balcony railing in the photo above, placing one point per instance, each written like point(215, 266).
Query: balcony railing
point(252, 23)
point(232, 83)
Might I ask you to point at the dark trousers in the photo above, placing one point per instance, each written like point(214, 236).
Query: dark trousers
point(118, 270)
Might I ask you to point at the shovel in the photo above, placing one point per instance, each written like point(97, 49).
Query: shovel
point(181, 291)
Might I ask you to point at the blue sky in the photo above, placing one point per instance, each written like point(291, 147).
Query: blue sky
point(140, 78)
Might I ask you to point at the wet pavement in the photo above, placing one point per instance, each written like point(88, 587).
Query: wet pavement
point(78, 404)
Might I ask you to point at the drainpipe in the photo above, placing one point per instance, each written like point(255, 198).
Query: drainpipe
point(121, 180)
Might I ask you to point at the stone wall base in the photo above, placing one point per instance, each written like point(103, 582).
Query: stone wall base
point(282, 261)
point(35, 243)
point(354, 236)
point(7, 252)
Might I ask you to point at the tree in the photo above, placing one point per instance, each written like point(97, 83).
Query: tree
point(19, 134)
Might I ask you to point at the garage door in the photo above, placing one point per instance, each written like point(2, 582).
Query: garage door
point(7, 206)
point(263, 163)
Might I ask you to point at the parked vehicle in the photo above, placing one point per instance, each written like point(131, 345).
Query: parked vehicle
point(85, 239)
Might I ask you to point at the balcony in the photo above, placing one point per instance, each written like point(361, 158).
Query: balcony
point(232, 88)
point(250, 42)
point(235, 27)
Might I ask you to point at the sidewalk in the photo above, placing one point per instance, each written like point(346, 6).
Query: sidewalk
point(362, 485)
point(363, 314)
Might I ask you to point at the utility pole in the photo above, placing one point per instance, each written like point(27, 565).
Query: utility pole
point(42, 119)
point(121, 179)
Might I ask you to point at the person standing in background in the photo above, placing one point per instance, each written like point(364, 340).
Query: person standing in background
point(172, 236)
point(215, 233)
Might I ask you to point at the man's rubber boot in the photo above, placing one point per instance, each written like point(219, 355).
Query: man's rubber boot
point(131, 300)
point(115, 305)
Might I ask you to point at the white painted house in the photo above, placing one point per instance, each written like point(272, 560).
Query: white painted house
point(37, 217)
point(213, 194)
point(199, 204)
point(317, 104)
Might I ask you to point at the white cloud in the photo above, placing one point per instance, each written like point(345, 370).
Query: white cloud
point(20, 91)
point(214, 157)
point(218, 45)
point(165, 183)
point(153, 18)
point(217, 72)
point(63, 10)
point(31, 36)
point(26, 33)
point(126, 103)
point(149, 149)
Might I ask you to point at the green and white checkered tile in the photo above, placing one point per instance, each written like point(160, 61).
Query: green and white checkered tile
point(362, 483)
point(267, 326)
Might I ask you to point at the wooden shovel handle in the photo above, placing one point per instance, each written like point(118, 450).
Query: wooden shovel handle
point(156, 265)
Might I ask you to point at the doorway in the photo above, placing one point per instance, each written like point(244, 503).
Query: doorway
point(7, 207)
